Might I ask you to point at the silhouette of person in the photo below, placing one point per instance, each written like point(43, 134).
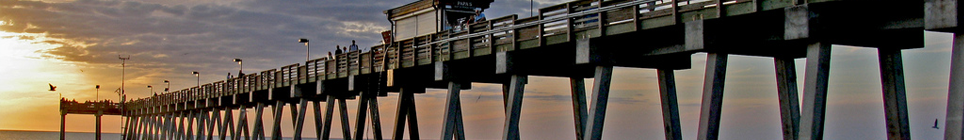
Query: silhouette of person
point(337, 50)
point(352, 47)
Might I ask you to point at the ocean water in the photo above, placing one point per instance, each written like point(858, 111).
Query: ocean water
point(47, 135)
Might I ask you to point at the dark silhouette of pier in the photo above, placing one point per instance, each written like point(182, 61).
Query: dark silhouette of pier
point(579, 39)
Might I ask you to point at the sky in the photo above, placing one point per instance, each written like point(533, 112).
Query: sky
point(74, 45)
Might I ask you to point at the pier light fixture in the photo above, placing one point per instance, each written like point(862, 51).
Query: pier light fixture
point(168, 88)
point(198, 75)
point(240, 67)
point(307, 54)
point(98, 92)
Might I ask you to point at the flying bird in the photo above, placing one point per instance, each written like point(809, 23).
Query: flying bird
point(935, 124)
point(52, 87)
point(81, 70)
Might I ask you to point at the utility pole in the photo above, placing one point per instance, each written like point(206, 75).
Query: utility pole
point(123, 71)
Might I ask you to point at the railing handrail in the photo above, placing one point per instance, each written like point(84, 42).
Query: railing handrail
point(543, 21)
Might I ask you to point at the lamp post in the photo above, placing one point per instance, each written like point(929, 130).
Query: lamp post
point(240, 67)
point(98, 93)
point(167, 89)
point(123, 70)
point(151, 87)
point(307, 54)
point(198, 75)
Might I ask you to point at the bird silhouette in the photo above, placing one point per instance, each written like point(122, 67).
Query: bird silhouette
point(52, 87)
point(935, 124)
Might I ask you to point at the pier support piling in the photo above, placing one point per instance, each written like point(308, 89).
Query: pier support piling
point(360, 117)
point(319, 122)
point(98, 124)
point(376, 119)
point(227, 125)
point(63, 125)
point(406, 110)
point(670, 108)
point(710, 108)
point(954, 122)
point(787, 93)
point(578, 89)
point(600, 99)
point(300, 121)
point(452, 124)
point(259, 122)
point(514, 107)
point(895, 100)
point(329, 112)
point(345, 125)
point(815, 91)
point(276, 128)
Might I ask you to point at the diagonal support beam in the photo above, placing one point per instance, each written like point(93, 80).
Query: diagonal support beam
point(406, 111)
point(600, 99)
point(514, 107)
point(259, 122)
point(578, 88)
point(670, 108)
point(787, 94)
point(201, 123)
point(895, 100)
point(376, 119)
point(329, 111)
point(815, 91)
point(712, 104)
point(190, 125)
point(300, 123)
point(345, 125)
point(954, 121)
point(276, 128)
point(318, 120)
point(227, 125)
point(412, 117)
point(452, 114)
point(361, 117)
point(242, 124)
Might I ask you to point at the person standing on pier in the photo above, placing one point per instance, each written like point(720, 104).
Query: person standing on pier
point(479, 16)
point(338, 49)
point(352, 47)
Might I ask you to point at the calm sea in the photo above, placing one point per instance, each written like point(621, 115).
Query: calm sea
point(45, 135)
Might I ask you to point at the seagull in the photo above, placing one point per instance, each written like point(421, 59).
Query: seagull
point(52, 87)
point(935, 124)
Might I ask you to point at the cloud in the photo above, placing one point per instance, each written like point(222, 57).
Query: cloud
point(184, 36)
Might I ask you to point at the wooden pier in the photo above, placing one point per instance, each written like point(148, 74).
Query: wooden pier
point(97, 108)
point(578, 39)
